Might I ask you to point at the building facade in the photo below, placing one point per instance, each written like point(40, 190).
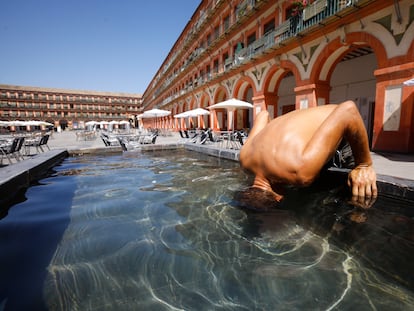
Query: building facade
point(66, 108)
point(282, 55)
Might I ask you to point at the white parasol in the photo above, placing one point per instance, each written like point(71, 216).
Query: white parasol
point(197, 112)
point(409, 82)
point(17, 123)
point(181, 115)
point(38, 123)
point(231, 105)
point(193, 113)
point(4, 123)
point(155, 113)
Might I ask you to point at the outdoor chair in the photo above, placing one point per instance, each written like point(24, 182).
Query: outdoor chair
point(44, 141)
point(19, 147)
point(12, 150)
point(108, 141)
point(38, 144)
point(343, 156)
point(203, 137)
point(150, 139)
point(214, 138)
point(105, 141)
point(194, 137)
point(122, 143)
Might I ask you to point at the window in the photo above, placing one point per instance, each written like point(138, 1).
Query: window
point(216, 66)
point(237, 47)
point(269, 27)
point(209, 39)
point(251, 38)
point(226, 23)
point(225, 56)
point(216, 32)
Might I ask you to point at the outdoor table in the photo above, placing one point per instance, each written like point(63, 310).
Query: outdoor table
point(229, 140)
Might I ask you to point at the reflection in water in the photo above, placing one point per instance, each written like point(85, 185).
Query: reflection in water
point(163, 232)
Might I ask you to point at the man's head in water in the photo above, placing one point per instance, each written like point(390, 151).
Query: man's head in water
point(257, 199)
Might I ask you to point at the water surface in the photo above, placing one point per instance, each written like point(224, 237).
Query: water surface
point(163, 231)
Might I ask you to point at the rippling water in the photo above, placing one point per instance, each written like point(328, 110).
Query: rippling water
point(162, 231)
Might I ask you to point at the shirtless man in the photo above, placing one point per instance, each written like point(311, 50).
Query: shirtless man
point(293, 148)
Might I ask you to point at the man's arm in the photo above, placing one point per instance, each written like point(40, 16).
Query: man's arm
point(343, 122)
point(362, 179)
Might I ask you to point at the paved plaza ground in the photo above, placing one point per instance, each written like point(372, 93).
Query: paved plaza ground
point(390, 164)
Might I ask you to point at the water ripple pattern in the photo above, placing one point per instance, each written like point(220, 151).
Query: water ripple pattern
point(159, 232)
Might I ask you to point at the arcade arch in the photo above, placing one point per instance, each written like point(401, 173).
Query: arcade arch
point(353, 78)
point(218, 117)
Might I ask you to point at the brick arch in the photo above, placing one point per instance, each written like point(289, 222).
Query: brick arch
point(276, 73)
point(204, 100)
point(192, 103)
point(175, 108)
point(181, 106)
point(241, 87)
point(335, 50)
point(220, 94)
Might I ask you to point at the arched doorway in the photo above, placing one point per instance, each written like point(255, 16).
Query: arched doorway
point(361, 87)
point(243, 118)
point(286, 94)
point(218, 117)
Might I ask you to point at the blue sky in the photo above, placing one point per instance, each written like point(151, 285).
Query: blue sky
point(100, 45)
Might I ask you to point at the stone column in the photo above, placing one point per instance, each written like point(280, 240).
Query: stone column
point(267, 101)
point(312, 95)
point(394, 111)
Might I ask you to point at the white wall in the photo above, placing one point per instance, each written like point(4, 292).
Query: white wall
point(353, 79)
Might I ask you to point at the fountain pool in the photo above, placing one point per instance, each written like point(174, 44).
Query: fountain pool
point(164, 231)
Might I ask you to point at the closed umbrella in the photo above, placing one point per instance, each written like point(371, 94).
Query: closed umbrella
point(231, 105)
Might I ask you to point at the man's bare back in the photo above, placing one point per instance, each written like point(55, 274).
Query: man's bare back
point(293, 148)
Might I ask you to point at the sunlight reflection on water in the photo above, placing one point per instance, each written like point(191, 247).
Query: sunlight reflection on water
point(161, 232)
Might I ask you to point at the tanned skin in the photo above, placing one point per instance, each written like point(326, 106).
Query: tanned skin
point(293, 148)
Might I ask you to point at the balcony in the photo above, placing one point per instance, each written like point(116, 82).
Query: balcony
point(244, 8)
point(315, 15)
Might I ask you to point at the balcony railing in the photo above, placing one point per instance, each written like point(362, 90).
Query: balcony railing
point(312, 16)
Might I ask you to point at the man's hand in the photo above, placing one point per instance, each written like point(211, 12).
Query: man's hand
point(363, 183)
point(362, 202)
